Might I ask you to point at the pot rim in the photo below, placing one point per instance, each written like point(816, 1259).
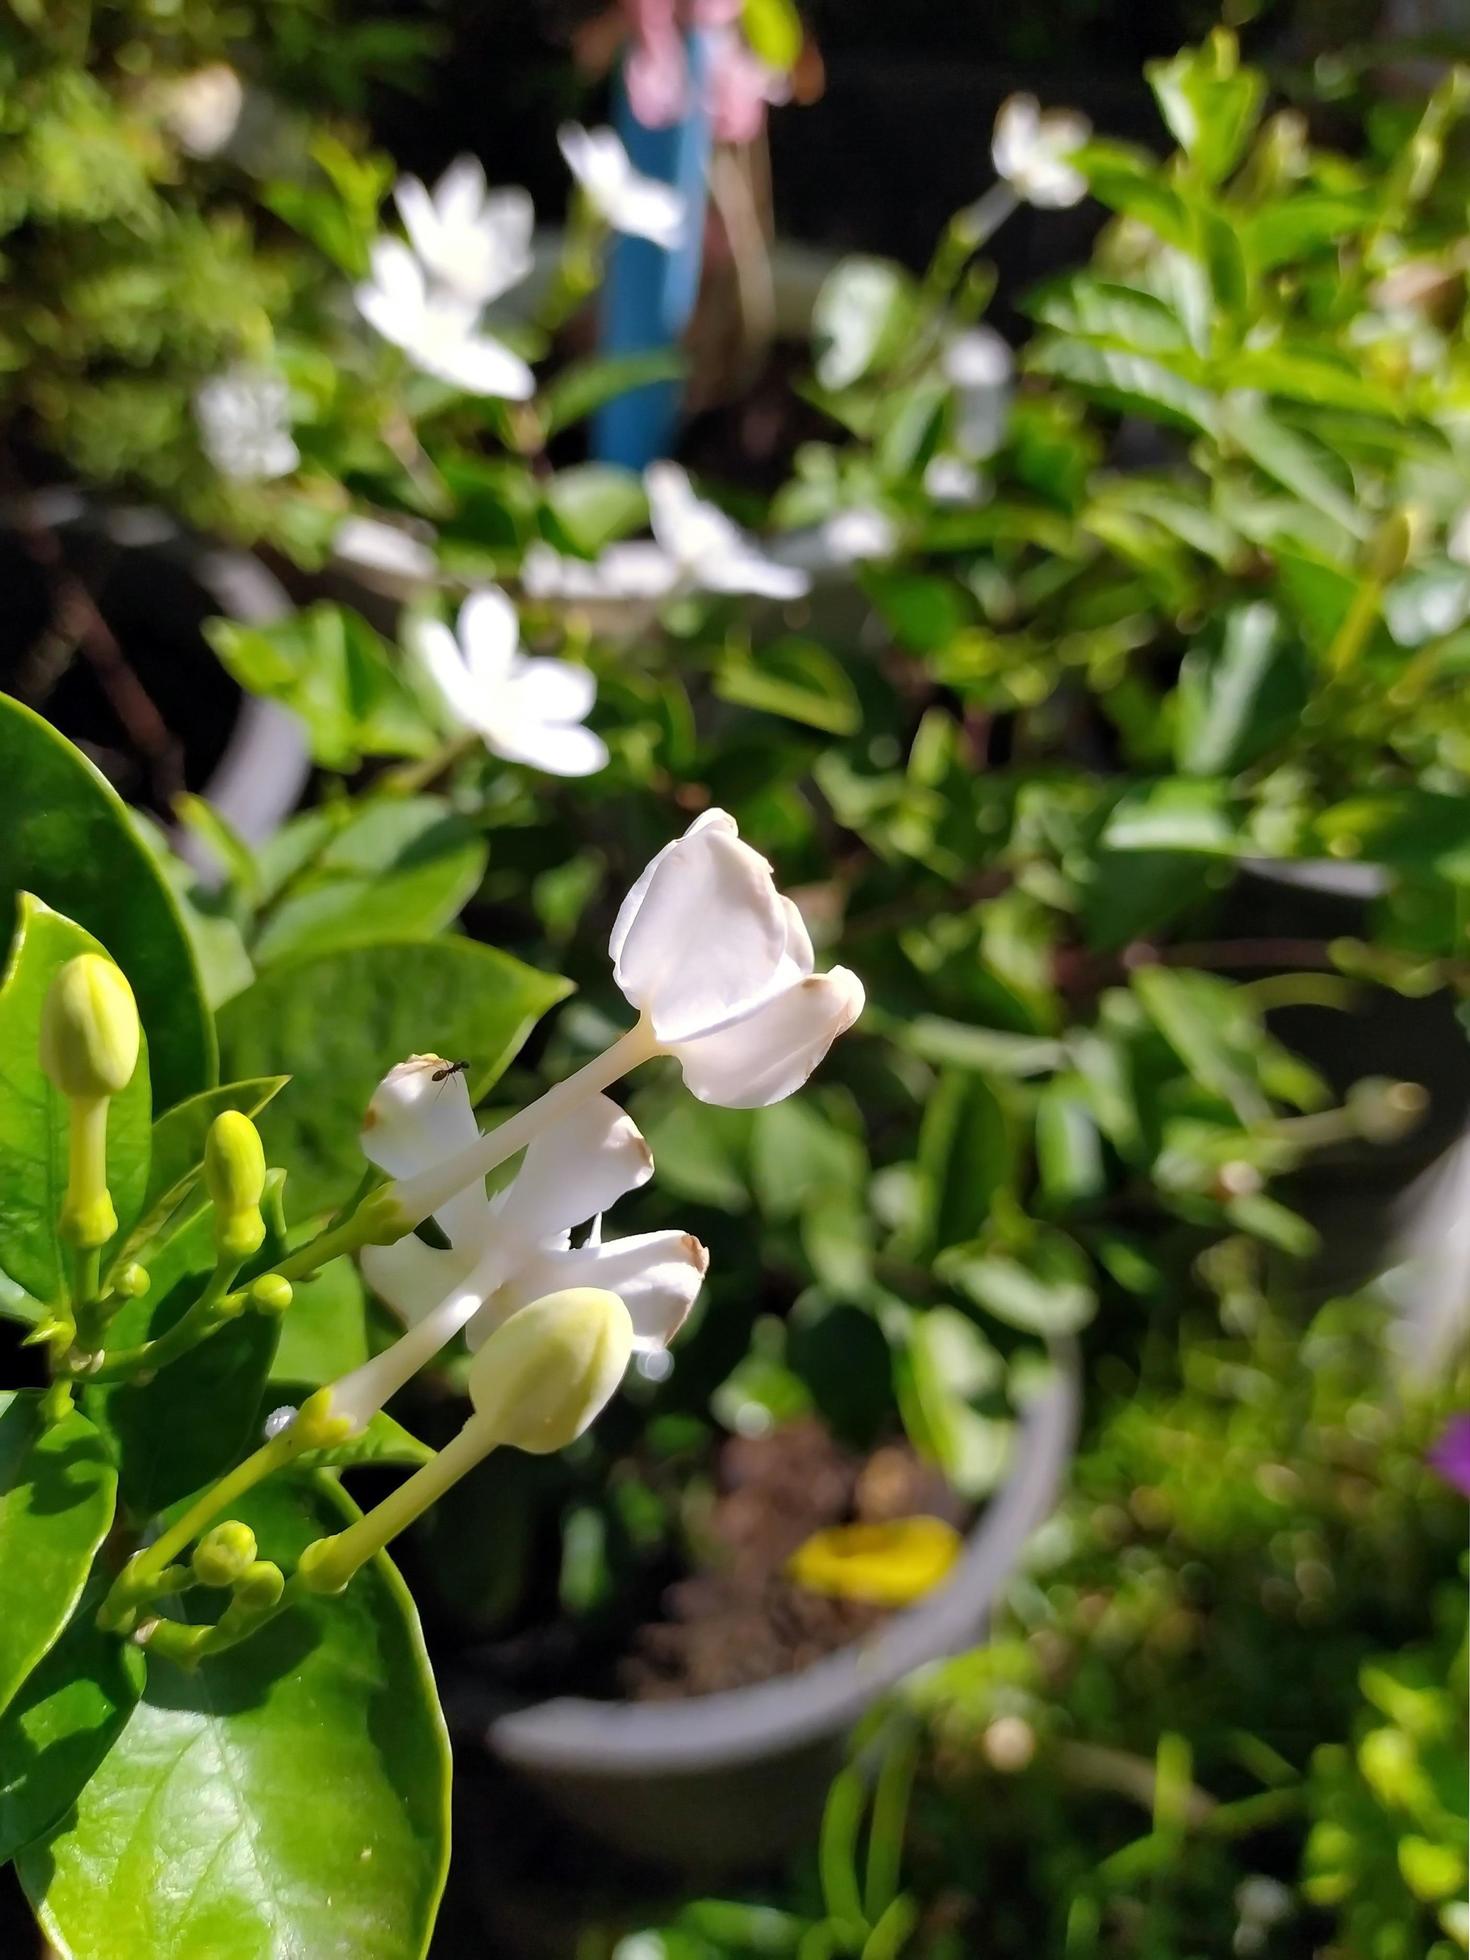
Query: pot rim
point(571, 1734)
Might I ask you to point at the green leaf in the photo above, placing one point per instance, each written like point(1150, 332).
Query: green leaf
point(57, 1492)
point(324, 1332)
point(1317, 375)
point(1242, 688)
point(1407, 829)
point(61, 1725)
point(1174, 814)
point(583, 387)
point(1131, 384)
point(33, 1117)
point(592, 503)
point(1068, 1149)
point(1047, 1289)
point(1199, 1016)
point(1113, 315)
point(798, 1153)
point(954, 1044)
point(1291, 460)
point(796, 678)
point(289, 1798)
point(413, 860)
point(966, 1155)
point(67, 838)
point(860, 319)
point(328, 666)
point(340, 1022)
point(1129, 181)
point(195, 1417)
point(1210, 103)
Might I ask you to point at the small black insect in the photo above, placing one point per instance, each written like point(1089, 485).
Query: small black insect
point(449, 1068)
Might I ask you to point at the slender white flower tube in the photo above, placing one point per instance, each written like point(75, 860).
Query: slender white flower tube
point(508, 1250)
point(437, 329)
point(526, 710)
point(475, 242)
point(720, 966)
point(1031, 148)
point(694, 548)
point(639, 206)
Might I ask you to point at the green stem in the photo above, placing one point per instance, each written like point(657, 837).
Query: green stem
point(415, 776)
point(329, 1564)
point(205, 1317)
point(1352, 636)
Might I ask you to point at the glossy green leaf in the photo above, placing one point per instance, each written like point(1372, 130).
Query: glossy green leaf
point(583, 387)
point(289, 1798)
point(412, 861)
point(62, 1723)
point(1045, 1289)
point(340, 1022)
point(1174, 814)
point(328, 666)
point(860, 319)
point(33, 1117)
point(1242, 688)
point(1198, 1015)
point(1411, 830)
point(324, 1331)
point(795, 678)
point(1129, 181)
point(592, 503)
point(1290, 459)
point(966, 1155)
point(57, 1491)
point(1068, 1148)
point(1210, 103)
point(67, 838)
point(1113, 315)
point(1131, 384)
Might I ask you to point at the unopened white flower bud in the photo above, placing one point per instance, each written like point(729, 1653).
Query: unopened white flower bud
point(547, 1373)
point(90, 1034)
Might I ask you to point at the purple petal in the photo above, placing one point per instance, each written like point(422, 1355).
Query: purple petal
point(1451, 1454)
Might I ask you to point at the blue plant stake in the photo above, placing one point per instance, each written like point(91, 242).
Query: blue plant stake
point(649, 294)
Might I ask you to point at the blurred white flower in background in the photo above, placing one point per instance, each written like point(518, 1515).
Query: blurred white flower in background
point(720, 966)
point(1031, 148)
point(1457, 545)
point(439, 330)
point(694, 548)
point(978, 366)
point(523, 709)
point(952, 480)
point(639, 206)
point(202, 110)
point(848, 537)
point(476, 243)
point(368, 544)
point(244, 422)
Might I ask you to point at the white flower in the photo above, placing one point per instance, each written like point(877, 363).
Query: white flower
point(1457, 545)
point(720, 967)
point(1031, 148)
point(244, 421)
point(508, 1250)
point(371, 545)
point(978, 365)
point(639, 206)
point(437, 329)
point(695, 547)
point(846, 538)
point(523, 709)
point(951, 480)
point(203, 109)
point(475, 242)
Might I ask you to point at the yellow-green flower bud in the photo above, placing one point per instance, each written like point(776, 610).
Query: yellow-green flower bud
point(270, 1293)
point(1392, 545)
point(224, 1554)
point(549, 1371)
point(1383, 1111)
point(234, 1176)
point(89, 1029)
point(315, 1427)
point(260, 1589)
point(132, 1282)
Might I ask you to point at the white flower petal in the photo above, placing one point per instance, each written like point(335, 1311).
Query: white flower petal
point(558, 748)
point(646, 208)
point(434, 648)
point(489, 633)
point(687, 527)
point(1017, 128)
point(420, 218)
point(380, 547)
point(477, 363)
point(596, 159)
point(575, 1169)
point(555, 690)
point(768, 1055)
point(749, 571)
point(420, 1114)
point(707, 934)
point(656, 1275)
point(411, 1277)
